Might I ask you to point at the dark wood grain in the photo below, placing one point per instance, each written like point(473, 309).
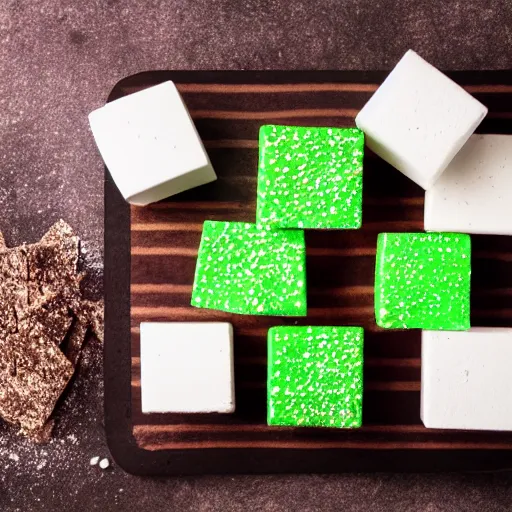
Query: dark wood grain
point(228, 109)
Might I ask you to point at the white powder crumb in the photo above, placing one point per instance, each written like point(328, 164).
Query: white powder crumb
point(14, 457)
point(104, 463)
point(94, 461)
point(73, 438)
point(41, 465)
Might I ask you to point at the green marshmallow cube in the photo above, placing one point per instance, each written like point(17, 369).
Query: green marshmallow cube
point(315, 376)
point(249, 269)
point(310, 177)
point(422, 280)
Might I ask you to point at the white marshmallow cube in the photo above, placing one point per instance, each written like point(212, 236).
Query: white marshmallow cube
point(150, 145)
point(187, 367)
point(474, 194)
point(466, 382)
point(418, 119)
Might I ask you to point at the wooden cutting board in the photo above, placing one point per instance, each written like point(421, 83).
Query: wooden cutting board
point(150, 256)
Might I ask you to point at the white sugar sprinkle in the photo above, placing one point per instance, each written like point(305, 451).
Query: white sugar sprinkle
point(104, 463)
point(94, 461)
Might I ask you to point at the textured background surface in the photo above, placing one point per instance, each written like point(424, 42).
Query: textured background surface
point(58, 60)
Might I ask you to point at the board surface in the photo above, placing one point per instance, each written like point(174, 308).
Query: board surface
point(150, 258)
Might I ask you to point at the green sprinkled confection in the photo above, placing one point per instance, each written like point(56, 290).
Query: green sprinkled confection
point(422, 280)
point(315, 376)
point(310, 177)
point(244, 268)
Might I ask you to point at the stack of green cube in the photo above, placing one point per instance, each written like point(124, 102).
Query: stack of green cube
point(308, 178)
point(312, 178)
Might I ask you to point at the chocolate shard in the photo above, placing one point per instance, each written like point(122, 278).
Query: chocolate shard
point(51, 272)
point(13, 288)
point(53, 265)
point(33, 374)
point(75, 341)
point(41, 435)
point(51, 319)
point(59, 233)
point(91, 314)
point(3, 246)
point(62, 236)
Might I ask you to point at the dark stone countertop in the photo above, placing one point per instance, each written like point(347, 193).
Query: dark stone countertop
point(59, 60)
